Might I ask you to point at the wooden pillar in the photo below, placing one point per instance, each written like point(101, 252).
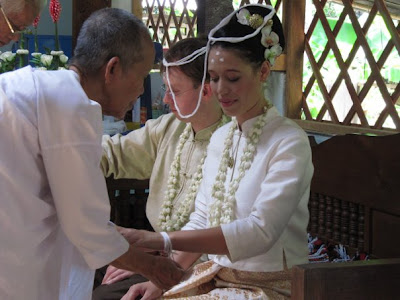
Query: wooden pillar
point(81, 10)
point(294, 20)
point(137, 8)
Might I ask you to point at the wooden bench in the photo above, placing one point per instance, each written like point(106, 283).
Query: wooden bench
point(354, 201)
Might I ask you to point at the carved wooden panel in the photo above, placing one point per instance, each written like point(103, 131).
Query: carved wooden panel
point(337, 221)
point(355, 193)
point(128, 199)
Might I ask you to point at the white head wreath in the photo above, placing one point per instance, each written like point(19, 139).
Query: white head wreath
point(205, 50)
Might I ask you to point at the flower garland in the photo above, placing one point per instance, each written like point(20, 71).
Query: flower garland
point(167, 220)
point(221, 210)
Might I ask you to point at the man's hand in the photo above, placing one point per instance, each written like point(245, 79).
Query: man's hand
point(142, 238)
point(147, 290)
point(164, 273)
point(114, 274)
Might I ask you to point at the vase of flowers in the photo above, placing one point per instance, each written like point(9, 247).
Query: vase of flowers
point(52, 59)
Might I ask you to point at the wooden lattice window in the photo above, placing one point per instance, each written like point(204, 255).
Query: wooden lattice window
point(352, 65)
point(170, 20)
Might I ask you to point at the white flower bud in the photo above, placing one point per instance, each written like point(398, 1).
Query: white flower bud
point(22, 51)
point(63, 58)
point(7, 56)
point(36, 54)
point(46, 60)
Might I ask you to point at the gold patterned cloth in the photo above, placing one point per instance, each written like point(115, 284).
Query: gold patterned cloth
point(212, 281)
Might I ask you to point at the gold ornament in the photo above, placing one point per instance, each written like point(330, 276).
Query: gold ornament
point(255, 21)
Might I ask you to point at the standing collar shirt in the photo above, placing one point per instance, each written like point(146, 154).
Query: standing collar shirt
point(271, 212)
point(54, 229)
point(149, 152)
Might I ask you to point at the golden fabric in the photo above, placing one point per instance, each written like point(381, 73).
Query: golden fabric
point(211, 281)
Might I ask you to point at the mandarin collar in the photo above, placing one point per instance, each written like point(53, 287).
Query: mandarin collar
point(248, 124)
point(206, 133)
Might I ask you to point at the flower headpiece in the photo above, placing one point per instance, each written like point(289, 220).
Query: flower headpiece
point(269, 38)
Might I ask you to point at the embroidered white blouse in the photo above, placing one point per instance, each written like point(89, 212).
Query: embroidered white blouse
point(271, 210)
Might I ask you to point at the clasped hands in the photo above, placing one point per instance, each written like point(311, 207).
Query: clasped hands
point(163, 273)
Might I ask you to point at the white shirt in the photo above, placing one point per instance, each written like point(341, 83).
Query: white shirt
point(54, 229)
point(271, 201)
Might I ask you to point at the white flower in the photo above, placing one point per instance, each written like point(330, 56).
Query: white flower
point(221, 211)
point(22, 51)
point(36, 54)
point(61, 68)
point(63, 58)
point(56, 53)
point(169, 220)
point(243, 16)
point(266, 30)
point(46, 60)
point(7, 56)
point(270, 40)
point(271, 53)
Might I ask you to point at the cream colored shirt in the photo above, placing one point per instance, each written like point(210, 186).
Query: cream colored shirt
point(271, 201)
point(148, 152)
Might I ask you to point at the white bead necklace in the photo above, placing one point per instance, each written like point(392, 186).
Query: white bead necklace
point(221, 210)
point(167, 220)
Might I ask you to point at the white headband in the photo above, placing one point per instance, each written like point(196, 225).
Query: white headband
point(205, 50)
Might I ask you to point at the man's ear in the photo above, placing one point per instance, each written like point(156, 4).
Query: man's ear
point(265, 70)
point(113, 68)
point(206, 92)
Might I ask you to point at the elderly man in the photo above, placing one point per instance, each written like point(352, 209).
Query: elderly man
point(16, 15)
point(54, 228)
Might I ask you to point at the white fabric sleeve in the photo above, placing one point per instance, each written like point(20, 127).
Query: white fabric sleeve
point(198, 218)
point(284, 186)
point(132, 155)
point(70, 128)
point(80, 195)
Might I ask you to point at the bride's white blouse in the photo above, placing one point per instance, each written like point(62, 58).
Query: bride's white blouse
point(271, 209)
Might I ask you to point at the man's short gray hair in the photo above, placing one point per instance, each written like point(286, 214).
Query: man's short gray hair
point(107, 33)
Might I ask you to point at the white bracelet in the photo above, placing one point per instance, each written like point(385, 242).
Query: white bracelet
point(167, 244)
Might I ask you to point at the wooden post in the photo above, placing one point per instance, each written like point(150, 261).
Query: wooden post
point(137, 9)
point(294, 20)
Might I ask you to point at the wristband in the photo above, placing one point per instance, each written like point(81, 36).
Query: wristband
point(167, 244)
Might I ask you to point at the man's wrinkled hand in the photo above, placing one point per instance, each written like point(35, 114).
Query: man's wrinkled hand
point(165, 273)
